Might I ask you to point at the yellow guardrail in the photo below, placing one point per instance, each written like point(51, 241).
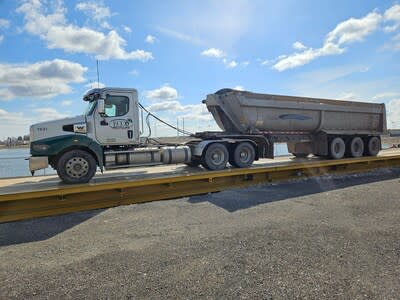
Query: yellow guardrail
point(66, 199)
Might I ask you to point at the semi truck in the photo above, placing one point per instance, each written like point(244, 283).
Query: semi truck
point(109, 134)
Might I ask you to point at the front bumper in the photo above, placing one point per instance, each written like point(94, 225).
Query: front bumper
point(37, 163)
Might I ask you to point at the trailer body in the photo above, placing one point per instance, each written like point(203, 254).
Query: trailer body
point(108, 135)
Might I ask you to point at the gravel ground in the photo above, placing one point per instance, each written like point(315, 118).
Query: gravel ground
point(327, 237)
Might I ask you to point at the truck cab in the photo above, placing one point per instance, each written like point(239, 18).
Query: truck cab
point(114, 116)
point(110, 120)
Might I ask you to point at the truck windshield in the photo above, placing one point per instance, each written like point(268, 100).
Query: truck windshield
point(90, 107)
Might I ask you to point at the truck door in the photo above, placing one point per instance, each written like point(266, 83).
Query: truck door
point(116, 127)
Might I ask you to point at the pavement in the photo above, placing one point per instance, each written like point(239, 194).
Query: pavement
point(334, 237)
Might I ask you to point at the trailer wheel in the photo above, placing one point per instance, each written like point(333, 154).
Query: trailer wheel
point(374, 146)
point(337, 148)
point(215, 157)
point(243, 155)
point(76, 166)
point(356, 147)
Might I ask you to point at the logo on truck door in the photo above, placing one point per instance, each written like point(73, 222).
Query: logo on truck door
point(120, 123)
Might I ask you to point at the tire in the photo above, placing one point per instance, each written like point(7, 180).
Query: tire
point(373, 146)
point(76, 166)
point(243, 155)
point(337, 148)
point(356, 147)
point(215, 157)
point(300, 155)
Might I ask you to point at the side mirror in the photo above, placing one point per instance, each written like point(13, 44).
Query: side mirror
point(101, 107)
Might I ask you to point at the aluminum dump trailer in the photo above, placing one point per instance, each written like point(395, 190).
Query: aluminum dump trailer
point(246, 112)
point(308, 125)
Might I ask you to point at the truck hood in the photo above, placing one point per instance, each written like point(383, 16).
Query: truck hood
point(49, 129)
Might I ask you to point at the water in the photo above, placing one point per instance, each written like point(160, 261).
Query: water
point(13, 163)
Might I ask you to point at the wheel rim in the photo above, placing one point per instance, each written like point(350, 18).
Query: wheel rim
point(77, 167)
point(217, 157)
point(245, 155)
point(357, 147)
point(337, 148)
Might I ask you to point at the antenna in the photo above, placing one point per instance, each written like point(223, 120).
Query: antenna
point(98, 77)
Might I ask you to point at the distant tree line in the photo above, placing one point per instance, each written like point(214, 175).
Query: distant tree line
point(13, 141)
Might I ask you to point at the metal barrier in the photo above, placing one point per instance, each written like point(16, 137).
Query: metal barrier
point(66, 199)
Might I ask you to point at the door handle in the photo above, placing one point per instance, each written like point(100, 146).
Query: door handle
point(130, 134)
point(103, 123)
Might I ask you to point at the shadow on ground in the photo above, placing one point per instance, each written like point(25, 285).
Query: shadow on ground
point(237, 199)
point(42, 228)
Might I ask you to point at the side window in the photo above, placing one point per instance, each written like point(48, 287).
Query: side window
point(116, 106)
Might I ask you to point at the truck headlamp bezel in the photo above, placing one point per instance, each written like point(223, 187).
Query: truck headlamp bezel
point(40, 147)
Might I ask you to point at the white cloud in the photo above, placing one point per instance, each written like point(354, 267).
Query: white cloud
point(238, 88)
point(245, 63)
point(1, 38)
point(54, 29)
point(13, 124)
point(354, 30)
point(346, 32)
point(95, 10)
point(39, 80)
point(298, 46)
point(181, 36)
point(150, 39)
point(393, 113)
point(4, 23)
point(48, 113)
point(301, 58)
point(347, 96)
point(231, 64)
point(213, 52)
point(134, 72)
point(126, 28)
point(94, 85)
point(66, 103)
point(164, 93)
point(392, 15)
point(386, 95)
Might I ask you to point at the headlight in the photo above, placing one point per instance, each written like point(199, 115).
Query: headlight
point(40, 147)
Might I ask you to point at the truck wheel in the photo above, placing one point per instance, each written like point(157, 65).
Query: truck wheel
point(356, 147)
point(76, 166)
point(300, 155)
point(337, 148)
point(374, 146)
point(215, 157)
point(243, 155)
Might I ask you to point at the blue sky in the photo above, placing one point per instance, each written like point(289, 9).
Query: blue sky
point(176, 52)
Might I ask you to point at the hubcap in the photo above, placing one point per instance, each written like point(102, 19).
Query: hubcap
point(77, 167)
point(244, 155)
point(217, 157)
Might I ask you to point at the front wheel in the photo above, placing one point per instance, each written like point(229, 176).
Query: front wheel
point(76, 166)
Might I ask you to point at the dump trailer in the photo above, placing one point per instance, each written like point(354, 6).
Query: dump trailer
point(108, 135)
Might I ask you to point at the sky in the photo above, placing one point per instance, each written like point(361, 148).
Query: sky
point(176, 52)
